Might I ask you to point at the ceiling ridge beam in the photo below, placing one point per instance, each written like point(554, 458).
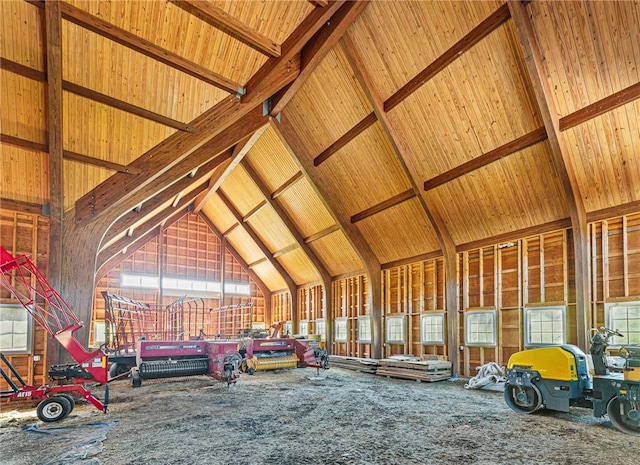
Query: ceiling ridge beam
point(510, 148)
point(486, 27)
point(162, 196)
point(231, 26)
point(147, 48)
point(384, 205)
point(287, 184)
point(85, 92)
point(351, 134)
point(601, 107)
point(78, 157)
point(316, 49)
point(323, 273)
point(562, 162)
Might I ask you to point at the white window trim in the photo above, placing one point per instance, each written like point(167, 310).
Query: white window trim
point(303, 327)
point(339, 322)
point(615, 341)
point(467, 315)
point(28, 349)
point(403, 329)
point(364, 320)
point(321, 329)
point(423, 338)
point(527, 334)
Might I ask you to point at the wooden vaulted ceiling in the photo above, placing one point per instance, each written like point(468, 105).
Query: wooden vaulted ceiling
point(320, 138)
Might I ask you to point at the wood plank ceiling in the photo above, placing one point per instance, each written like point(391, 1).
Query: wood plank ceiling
point(320, 137)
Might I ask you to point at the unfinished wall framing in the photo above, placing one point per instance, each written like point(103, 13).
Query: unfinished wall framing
point(351, 317)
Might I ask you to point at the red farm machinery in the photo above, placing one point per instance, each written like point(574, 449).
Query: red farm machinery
point(25, 282)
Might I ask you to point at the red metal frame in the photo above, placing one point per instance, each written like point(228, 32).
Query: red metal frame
point(27, 284)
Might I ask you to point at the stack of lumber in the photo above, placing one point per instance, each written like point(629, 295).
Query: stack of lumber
point(364, 365)
point(414, 368)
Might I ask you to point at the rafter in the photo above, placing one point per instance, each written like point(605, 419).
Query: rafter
point(24, 207)
point(601, 107)
point(131, 249)
point(384, 205)
point(226, 23)
point(320, 234)
point(140, 45)
point(346, 138)
point(533, 58)
point(78, 157)
point(315, 50)
point(486, 27)
point(292, 228)
point(286, 185)
point(254, 211)
point(521, 143)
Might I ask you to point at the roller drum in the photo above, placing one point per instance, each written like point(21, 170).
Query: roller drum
point(173, 368)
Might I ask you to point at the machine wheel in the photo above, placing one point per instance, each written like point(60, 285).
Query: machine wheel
point(136, 380)
point(621, 420)
point(53, 409)
point(523, 399)
point(70, 398)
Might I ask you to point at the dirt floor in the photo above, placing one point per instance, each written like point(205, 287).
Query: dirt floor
point(297, 417)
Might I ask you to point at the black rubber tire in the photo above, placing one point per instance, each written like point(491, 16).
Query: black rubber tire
point(53, 409)
point(533, 397)
point(70, 398)
point(613, 411)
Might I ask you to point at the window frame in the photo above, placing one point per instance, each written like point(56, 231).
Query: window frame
point(28, 347)
point(364, 322)
point(527, 328)
point(467, 326)
point(341, 325)
point(615, 341)
point(423, 339)
point(388, 328)
point(303, 324)
point(321, 329)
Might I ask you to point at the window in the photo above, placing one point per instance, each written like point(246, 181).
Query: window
point(432, 328)
point(15, 329)
point(99, 335)
point(321, 329)
point(341, 330)
point(544, 326)
point(286, 331)
point(237, 288)
point(304, 328)
point(395, 329)
point(140, 281)
point(625, 317)
point(480, 328)
point(364, 329)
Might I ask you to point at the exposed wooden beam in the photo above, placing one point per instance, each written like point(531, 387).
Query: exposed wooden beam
point(286, 185)
point(285, 250)
point(496, 154)
point(53, 28)
point(78, 157)
point(614, 212)
point(96, 96)
point(258, 261)
point(409, 260)
point(131, 249)
point(346, 138)
point(486, 27)
point(272, 76)
point(324, 275)
point(562, 162)
point(556, 225)
point(226, 23)
point(601, 107)
point(222, 172)
point(161, 197)
point(252, 274)
point(319, 3)
point(315, 50)
point(254, 211)
point(183, 206)
point(140, 45)
point(294, 145)
point(444, 236)
point(321, 234)
point(384, 205)
point(292, 286)
point(24, 207)
point(231, 228)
